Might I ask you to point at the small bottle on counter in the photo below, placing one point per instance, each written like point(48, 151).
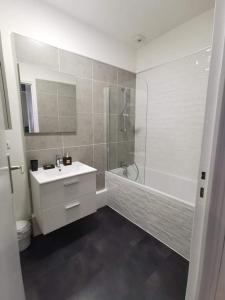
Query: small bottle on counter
point(67, 160)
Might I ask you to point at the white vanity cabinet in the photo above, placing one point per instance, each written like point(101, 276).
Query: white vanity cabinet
point(63, 196)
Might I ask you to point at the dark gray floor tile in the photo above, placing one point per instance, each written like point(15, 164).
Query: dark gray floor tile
point(102, 257)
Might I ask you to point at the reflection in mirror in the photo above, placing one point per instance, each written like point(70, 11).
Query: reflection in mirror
point(27, 108)
point(48, 100)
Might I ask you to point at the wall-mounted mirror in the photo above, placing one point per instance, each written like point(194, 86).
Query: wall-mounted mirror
point(48, 100)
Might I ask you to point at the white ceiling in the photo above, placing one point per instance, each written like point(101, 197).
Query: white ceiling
point(124, 19)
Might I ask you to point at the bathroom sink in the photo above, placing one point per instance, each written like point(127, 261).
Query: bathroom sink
point(77, 168)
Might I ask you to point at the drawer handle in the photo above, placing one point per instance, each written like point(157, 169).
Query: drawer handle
point(68, 183)
point(72, 205)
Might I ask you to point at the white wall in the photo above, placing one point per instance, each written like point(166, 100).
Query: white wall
point(179, 42)
point(15, 136)
point(42, 22)
point(47, 24)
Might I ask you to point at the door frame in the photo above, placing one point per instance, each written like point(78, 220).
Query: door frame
point(209, 220)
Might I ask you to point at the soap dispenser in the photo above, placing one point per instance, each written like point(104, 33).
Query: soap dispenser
point(67, 160)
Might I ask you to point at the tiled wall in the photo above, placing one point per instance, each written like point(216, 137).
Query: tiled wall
point(88, 145)
point(167, 219)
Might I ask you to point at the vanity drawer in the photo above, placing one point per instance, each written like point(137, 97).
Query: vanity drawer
point(80, 208)
point(66, 190)
point(63, 214)
point(78, 186)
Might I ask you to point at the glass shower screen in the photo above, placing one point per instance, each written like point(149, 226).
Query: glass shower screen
point(126, 109)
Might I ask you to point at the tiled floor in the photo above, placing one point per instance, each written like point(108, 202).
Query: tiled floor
point(102, 257)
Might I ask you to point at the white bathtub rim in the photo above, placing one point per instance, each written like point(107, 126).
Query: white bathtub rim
point(154, 191)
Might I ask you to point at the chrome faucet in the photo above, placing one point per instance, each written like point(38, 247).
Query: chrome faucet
point(58, 161)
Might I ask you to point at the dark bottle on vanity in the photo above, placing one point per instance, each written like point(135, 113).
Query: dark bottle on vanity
point(67, 160)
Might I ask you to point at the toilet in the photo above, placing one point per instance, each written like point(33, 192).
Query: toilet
point(23, 229)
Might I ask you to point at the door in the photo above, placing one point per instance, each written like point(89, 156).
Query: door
point(11, 285)
point(209, 225)
point(220, 291)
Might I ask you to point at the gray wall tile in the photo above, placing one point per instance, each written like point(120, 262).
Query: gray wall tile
point(113, 156)
point(84, 132)
point(116, 101)
point(83, 154)
point(126, 152)
point(100, 157)
point(104, 72)
point(77, 65)
point(46, 87)
point(43, 156)
point(100, 181)
point(66, 90)
point(99, 128)
point(36, 142)
point(67, 106)
point(98, 96)
point(113, 127)
point(47, 105)
point(67, 124)
point(127, 133)
point(126, 78)
point(48, 124)
point(83, 95)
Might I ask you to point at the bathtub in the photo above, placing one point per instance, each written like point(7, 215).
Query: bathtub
point(168, 219)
